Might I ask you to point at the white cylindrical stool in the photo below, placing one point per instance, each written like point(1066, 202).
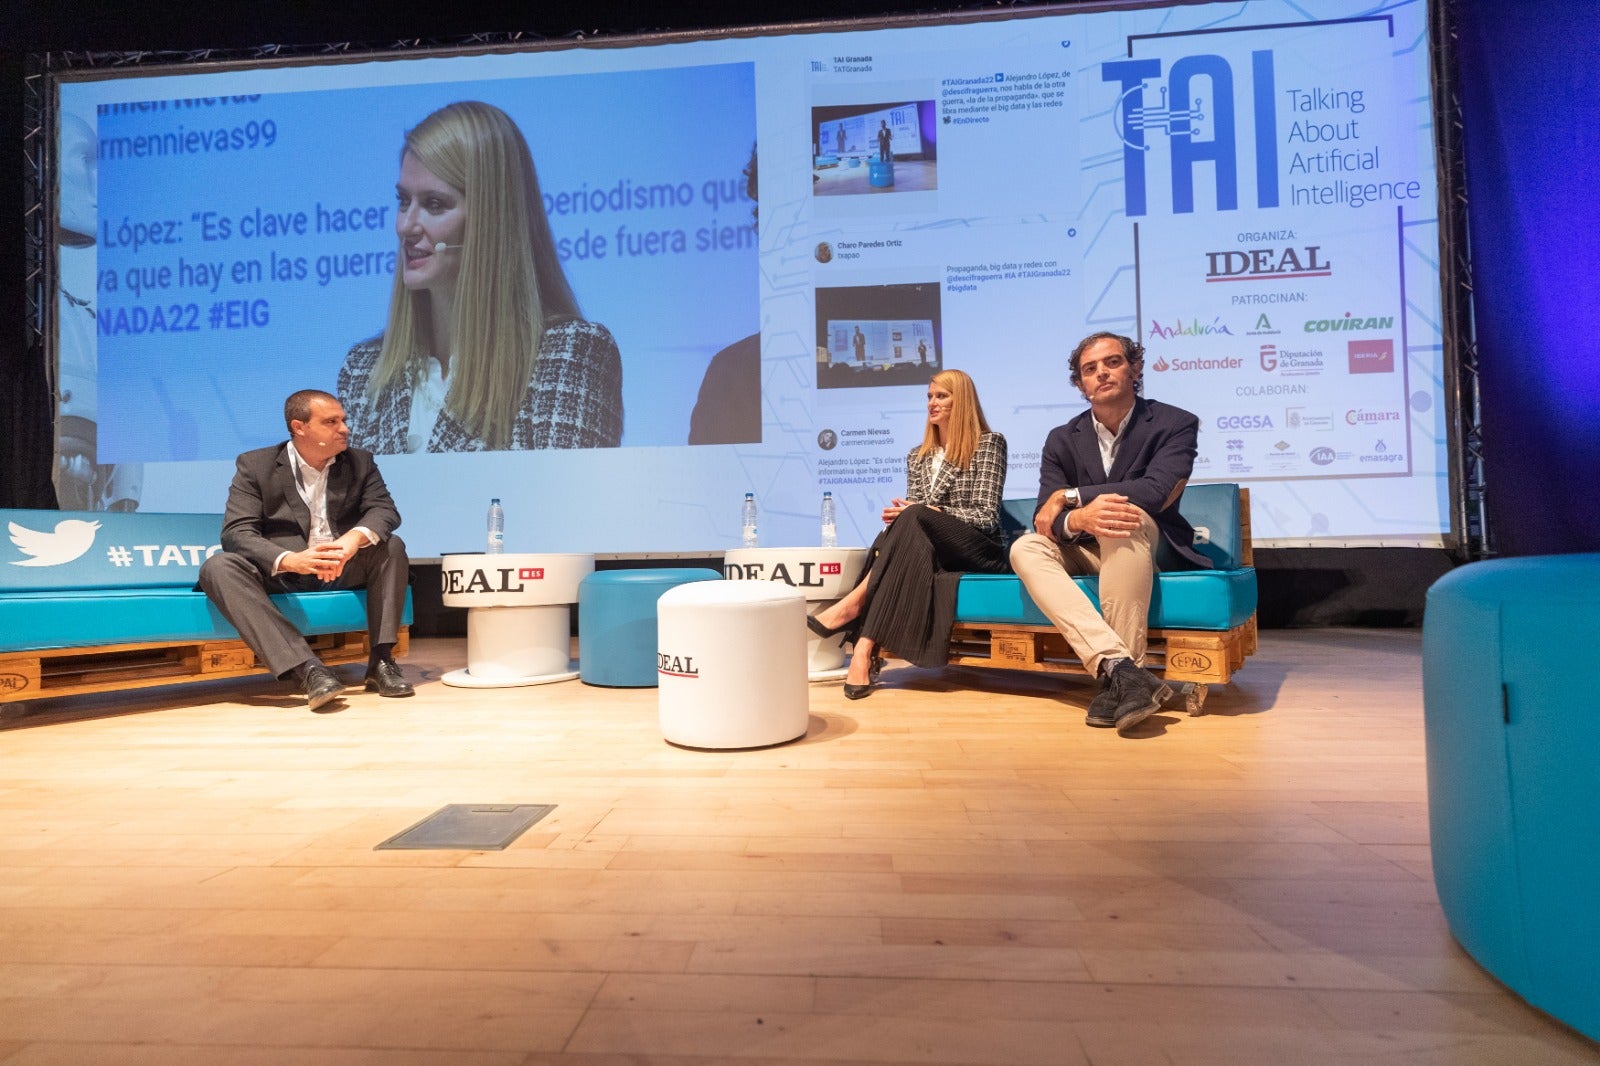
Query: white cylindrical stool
point(823, 575)
point(732, 664)
point(519, 616)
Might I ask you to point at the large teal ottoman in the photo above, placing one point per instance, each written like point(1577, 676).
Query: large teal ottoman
point(617, 623)
point(1511, 712)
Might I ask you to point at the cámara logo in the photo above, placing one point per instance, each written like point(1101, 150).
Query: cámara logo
point(1358, 417)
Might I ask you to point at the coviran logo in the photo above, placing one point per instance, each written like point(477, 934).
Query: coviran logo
point(676, 665)
point(1348, 322)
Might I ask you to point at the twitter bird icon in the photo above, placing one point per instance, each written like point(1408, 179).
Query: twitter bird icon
point(71, 539)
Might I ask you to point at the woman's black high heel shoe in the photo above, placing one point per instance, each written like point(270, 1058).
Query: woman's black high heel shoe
point(823, 631)
point(861, 692)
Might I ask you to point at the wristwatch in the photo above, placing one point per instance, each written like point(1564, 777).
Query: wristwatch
point(1070, 497)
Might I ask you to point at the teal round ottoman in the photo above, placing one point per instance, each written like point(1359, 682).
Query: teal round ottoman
point(617, 623)
point(1511, 714)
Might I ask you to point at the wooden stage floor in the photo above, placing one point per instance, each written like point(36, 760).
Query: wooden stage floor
point(942, 873)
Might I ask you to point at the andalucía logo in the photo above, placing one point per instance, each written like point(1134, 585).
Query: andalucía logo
point(1260, 264)
point(1180, 328)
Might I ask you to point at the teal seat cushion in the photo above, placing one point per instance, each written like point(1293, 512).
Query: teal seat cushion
point(1185, 599)
point(32, 621)
point(1217, 599)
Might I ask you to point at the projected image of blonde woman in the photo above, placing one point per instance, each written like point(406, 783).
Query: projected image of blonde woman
point(485, 348)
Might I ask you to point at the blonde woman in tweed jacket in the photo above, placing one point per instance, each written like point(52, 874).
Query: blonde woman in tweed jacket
point(484, 348)
point(948, 524)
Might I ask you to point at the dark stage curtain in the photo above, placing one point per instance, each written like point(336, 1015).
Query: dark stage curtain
point(1530, 88)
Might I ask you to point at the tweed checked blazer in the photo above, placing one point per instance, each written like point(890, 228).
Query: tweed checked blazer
point(972, 495)
point(573, 401)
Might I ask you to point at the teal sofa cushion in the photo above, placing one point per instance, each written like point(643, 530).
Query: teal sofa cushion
point(32, 621)
point(1218, 599)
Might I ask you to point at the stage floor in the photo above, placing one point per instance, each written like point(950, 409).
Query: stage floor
point(940, 873)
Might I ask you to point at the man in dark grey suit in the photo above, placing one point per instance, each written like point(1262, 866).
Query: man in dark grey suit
point(309, 514)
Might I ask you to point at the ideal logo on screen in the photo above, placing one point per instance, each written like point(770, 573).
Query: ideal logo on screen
point(1268, 264)
point(1200, 130)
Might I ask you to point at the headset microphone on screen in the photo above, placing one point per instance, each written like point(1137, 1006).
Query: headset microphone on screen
point(441, 246)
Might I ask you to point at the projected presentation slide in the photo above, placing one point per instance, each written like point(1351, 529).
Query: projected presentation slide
point(621, 286)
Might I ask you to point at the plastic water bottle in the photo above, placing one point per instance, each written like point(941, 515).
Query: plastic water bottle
point(747, 520)
point(830, 522)
point(497, 527)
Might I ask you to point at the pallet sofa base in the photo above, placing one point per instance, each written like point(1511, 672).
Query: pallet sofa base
point(113, 667)
point(1207, 658)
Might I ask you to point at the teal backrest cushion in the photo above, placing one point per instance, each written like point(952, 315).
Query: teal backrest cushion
point(1212, 509)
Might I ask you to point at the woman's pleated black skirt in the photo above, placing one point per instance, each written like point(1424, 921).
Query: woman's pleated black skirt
point(915, 566)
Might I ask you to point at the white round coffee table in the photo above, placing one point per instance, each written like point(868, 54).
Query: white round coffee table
point(519, 616)
point(824, 575)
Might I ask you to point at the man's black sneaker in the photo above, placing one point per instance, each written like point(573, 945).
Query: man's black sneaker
point(1139, 694)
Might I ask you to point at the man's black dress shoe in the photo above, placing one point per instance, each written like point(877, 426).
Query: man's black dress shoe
point(322, 688)
point(384, 678)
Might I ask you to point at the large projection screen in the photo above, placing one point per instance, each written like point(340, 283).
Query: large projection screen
point(1247, 188)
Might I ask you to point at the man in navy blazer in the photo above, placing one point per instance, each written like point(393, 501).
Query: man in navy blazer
point(312, 513)
point(1109, 485)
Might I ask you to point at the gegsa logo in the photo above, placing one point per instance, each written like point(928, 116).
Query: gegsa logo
point(71, 538)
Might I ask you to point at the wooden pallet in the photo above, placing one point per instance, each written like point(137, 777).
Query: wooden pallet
point(1177, 654)
point(35, 675)
point(1203, 656)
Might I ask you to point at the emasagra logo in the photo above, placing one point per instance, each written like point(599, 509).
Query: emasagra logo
point(70, 539)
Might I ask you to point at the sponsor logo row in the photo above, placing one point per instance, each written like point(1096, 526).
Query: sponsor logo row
point(1177, 328)
point(1282, 457)
point(1302, 418)
point(1362, 357)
